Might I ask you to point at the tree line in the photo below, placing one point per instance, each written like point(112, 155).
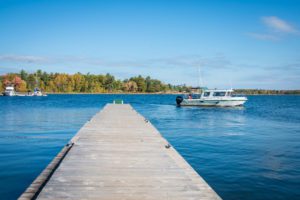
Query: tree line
point(85, 83)
point(91, 83)
point(265, 92)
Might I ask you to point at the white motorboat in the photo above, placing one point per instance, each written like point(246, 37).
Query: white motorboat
point(38, 92)
point(214, 97)
point(9, 91)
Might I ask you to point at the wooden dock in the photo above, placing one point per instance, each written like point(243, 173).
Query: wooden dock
point(119, 155)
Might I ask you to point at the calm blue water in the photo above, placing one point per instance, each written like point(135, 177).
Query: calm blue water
point(245, 153)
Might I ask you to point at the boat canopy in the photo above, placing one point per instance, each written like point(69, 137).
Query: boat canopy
point(9, 88)
point(217, 90)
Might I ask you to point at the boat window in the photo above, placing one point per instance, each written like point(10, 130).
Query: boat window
point(196, 96)
point(219, 94)
point(206, 94)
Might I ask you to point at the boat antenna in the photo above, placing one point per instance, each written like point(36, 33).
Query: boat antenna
point(200, 82)
point(230, 81)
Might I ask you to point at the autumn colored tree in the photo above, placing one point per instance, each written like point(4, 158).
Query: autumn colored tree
point(140, 82)
point(1, 86)
point(17, 81)
point(130, 86)
point(82, 83)
point(21, 87)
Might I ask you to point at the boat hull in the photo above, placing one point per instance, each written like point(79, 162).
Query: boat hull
point(213, 103)
point(10, 94)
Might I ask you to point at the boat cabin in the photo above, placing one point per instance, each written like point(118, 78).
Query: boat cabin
point(216, 93)
point(213, 93)
point(9, 89)
point(213, 97)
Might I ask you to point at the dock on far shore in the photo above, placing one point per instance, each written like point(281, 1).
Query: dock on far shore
point(117, 155)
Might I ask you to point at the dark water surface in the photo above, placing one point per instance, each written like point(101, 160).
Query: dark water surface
point(243, 153)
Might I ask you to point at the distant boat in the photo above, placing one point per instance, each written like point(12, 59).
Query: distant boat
point(38, 92)
point(214, 97)
point(9, 91)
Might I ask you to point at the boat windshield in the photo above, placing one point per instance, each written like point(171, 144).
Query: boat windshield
point(219, 94)
point(206, 94)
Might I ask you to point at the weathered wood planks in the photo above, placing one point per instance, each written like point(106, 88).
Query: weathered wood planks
point(120, 155)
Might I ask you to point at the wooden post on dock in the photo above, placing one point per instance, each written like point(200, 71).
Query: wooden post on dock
point(120, 155)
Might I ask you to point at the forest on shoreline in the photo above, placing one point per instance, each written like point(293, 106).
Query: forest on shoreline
point(85, 83)
point(91, 83)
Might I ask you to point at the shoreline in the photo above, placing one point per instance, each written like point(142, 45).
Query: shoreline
point(159, 94)
point(144, 93)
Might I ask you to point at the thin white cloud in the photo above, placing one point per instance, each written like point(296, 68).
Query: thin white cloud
point(277, 29)
point(217, 61)
point(22, 58)
point(184, 68)
point(262, 36)
point(279, 25)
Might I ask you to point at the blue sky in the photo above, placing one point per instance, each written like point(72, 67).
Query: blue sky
point(244, 44)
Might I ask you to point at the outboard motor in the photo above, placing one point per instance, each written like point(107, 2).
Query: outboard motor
point(179, 99)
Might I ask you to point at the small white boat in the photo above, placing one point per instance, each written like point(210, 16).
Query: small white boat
point(214, 97)
point(38, 92)
point(9, 91)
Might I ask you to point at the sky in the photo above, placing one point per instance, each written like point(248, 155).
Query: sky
point(214, 43)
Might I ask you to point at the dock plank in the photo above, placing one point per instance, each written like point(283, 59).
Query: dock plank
point(119, 155)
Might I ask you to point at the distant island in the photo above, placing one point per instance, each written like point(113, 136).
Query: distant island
point(91, 83)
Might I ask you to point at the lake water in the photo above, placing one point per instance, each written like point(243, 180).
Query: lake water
point(243, 153)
